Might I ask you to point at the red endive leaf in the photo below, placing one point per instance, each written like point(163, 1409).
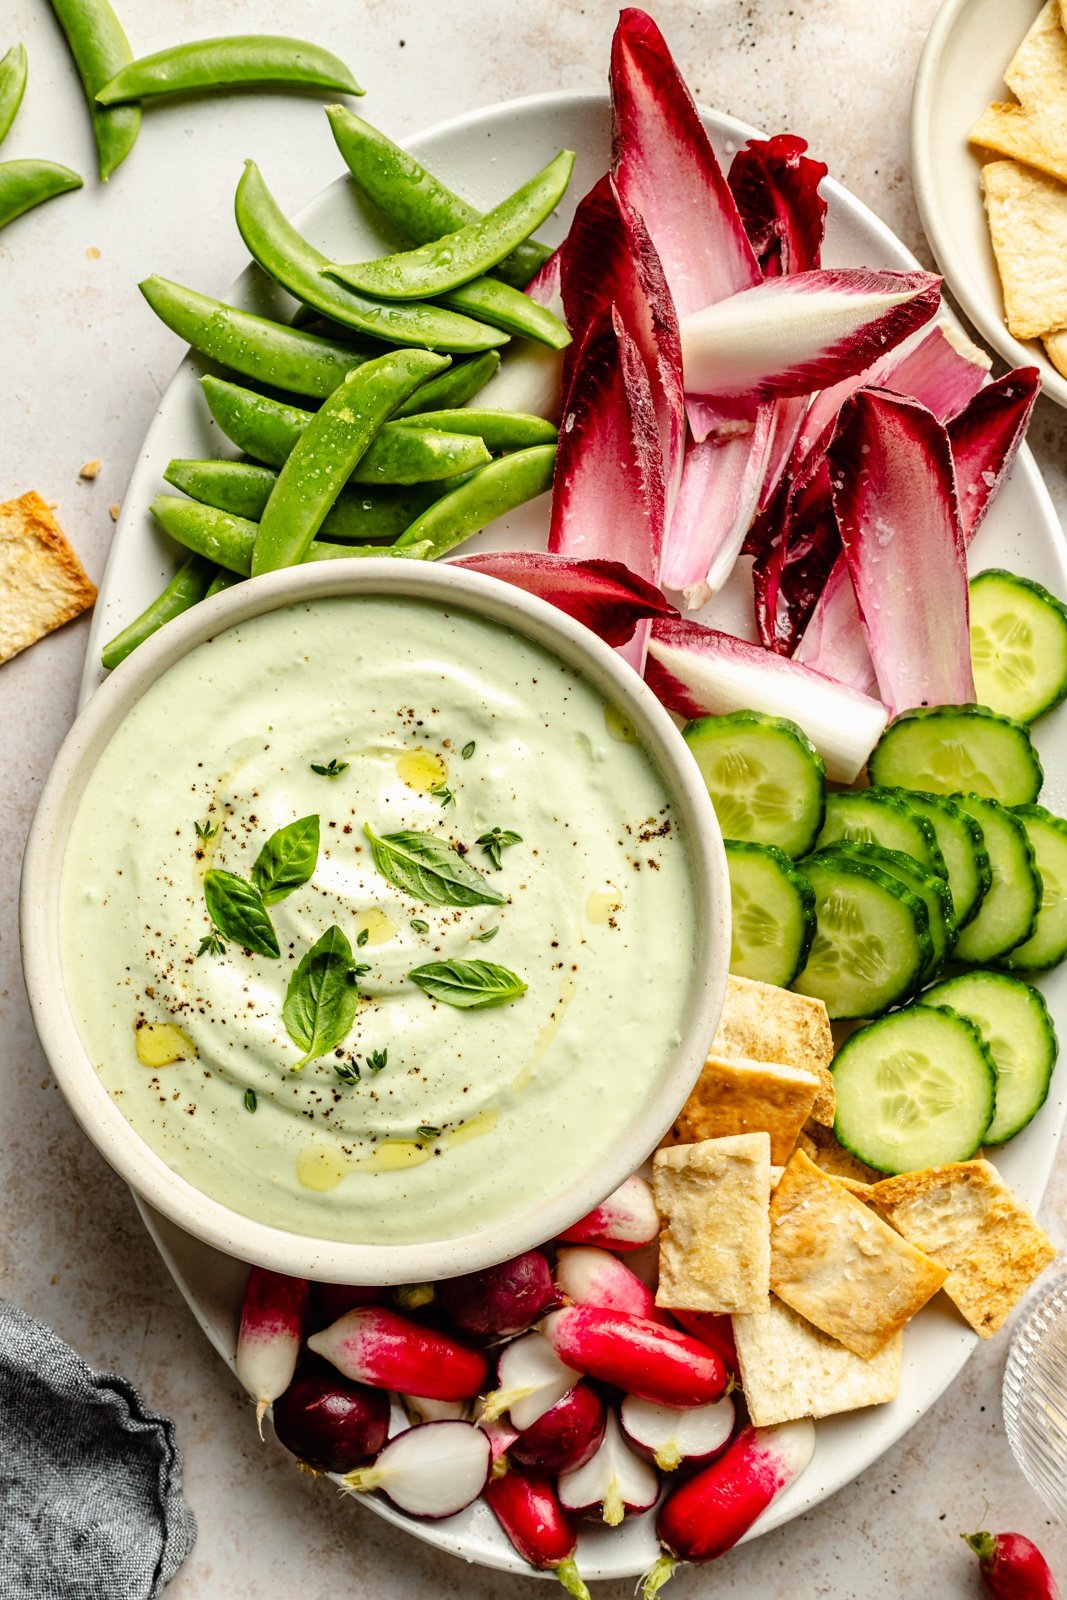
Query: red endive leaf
point(776, 187)
point(834, 642)
point(719, 494)
point(604, 595)
point(985, 437)
point(797, 543)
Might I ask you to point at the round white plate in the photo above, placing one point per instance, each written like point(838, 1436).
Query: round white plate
point(961, 71)
point(485, 156)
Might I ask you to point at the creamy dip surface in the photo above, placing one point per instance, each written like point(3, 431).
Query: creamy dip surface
point(427, 1120)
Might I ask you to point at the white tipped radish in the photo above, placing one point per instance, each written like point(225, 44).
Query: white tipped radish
point(642, 1358)
point(500, 1301)
point(669, 1435)
point(268, 1343)
point(626, 1220)
point(713, 1328)
point(432, 1471)
point(421, 1409)
point(565, 1436)
point(530, 1379)
point(377, 1346)
point(529, 1511)
point(614, 1483)
point(592, 1277)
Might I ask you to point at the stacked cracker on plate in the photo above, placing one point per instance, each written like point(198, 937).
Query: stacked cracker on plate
point(1026, 194)
point(819, 1261)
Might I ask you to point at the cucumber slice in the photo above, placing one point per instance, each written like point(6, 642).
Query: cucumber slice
point(765, 777)
point(874, 816)
point(1014, 1021)
point(959, 838)
point(872, 938)
point(1018, 644)
point(1047, 944)
point(914, 1090)
point(1009, 910)
point(931, 889)
point(958, 750)
point(773, 911)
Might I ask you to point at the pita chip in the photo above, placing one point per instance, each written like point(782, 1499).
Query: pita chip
point(761, 1022)
point(714, 1250)
point(42, 582)
point(1035, 130)
point(790, 1369)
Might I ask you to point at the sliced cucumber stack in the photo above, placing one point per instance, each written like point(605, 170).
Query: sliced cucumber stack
point(773, 911)
point(1014, 1021)
point(875, 816)
point(916, 1089)
point(931, 889)
point(1018, 644)
point(959, 838)
point(958, 750)
point(1047, 944)
point(1009, 911)
point(765, 777)
point(872, 938)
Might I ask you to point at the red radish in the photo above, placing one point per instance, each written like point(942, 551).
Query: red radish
point(700, 672)
point(565, 1436)
point(413, 1296)
point(706, 1515)
point(636, 1355)
point(329, 1423)
point(501, 1437)
point(502, 1300)
point(592, 1277)
point(613, 1483)
point(528, 1510)
point(713, 1329)
point(604, 595)
point(626, 1220)
point(421, 1409)
point(268, 1343)
point(434, 1470)
point(669, 1435)
point(331, 1300)
point(985, 438)
point(377, 1346)
point(1012, 1567)
point(530, 1379)
point(776, 187)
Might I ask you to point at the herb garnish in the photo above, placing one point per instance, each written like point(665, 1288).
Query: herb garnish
point(426, 1132)
point(377, 1060)
point(484, 938)
point(287, 860)
point(470, 985)
point(212, 944)
point(419, 926)
point(362, 936)
point(429, 869)
point(347, 1071)
point(468, 750)
point(322, 998)
point(496, 840)
point(250, 1100)
point(442, 792)
point(329, 769)
point(206, 830)
point(359, 970)
point(237, 910)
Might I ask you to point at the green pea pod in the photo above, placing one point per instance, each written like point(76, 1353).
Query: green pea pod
point(188, 586)
point(100, 49)
point(269, 429)
point(12, 86)
point(285, 256)
point(216, 537)
point(504, 307)
point(328, 450)
point(495, 490)
point(253, 346)
point(243, 61)
point(460, 383)
point(243, 488)
point(221, 581)
point(501, 430)
point(25, 184)
point(414, 201)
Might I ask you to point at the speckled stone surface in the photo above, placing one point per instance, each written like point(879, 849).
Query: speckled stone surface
point(81, 367)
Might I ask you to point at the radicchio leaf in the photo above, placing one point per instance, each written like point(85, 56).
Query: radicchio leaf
point(776, 187)
point(985, 438)
point(603, 595)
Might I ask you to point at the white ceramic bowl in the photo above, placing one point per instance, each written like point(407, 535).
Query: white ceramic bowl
point(545, 1212)
point(961, 70)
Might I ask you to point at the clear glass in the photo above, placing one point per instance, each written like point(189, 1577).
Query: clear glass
point(1035, 1396)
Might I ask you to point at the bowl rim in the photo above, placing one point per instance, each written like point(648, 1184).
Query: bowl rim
point(302, 1254)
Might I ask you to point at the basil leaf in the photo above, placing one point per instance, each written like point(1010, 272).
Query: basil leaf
point(322, 997)
point(429, 869)
point(237, 910)
point(287, 859)
point(468, 984)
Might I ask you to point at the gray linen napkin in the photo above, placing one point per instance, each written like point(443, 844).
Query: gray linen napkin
point(91, 1505)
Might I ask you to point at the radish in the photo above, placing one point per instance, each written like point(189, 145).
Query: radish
point(434, 1470)
point(413, 1296)
point(714, 1329)
point(421, 1409)
point(591, 1277)
point(377, 1346)
point(530, 1380)
point(669, 1435)
point(1012, 1567)
point(502, 1300)
point(565, 1436)
point(636, 1355)
point(331, 1300)
point(706, 1515)
point(626, 1220)
point(501, 1437)
point(614, 1483)
point(604, 595)
point(329, 1423)
point(529, 1511)
point(268, 1343)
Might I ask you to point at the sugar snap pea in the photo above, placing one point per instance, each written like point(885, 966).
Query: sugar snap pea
point(187, 588)
point(243, 488)
point(285, 256)
point(327, 451)
point(460, 383)
point(500, 430)
point(504, 307)
point(218, 538)
point(25, 184)
point(254, 346)
point(247, 60)
point(486, 495)
point(470, 251)
point(222, 580)
point(12, 86)
point(100, 49)
point(416, 202)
